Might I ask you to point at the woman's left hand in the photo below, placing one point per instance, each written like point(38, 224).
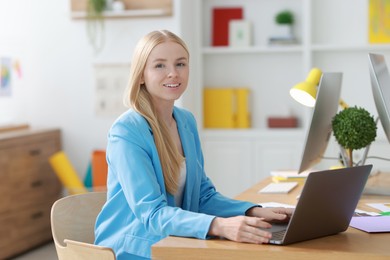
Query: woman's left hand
point(272, 215)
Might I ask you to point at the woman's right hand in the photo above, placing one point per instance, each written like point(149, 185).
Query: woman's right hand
point(241, 229)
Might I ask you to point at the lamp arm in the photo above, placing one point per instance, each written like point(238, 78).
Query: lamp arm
point(343, 104)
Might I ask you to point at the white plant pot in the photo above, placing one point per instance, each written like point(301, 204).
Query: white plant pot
point(283, 31)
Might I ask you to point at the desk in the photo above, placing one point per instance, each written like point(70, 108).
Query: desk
point(351, 244)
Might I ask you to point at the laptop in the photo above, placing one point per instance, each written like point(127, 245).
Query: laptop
point(325, 207)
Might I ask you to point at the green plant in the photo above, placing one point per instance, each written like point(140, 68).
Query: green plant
point(284, 17)
point(95, 23)
point(96, 7)
point(354, 128)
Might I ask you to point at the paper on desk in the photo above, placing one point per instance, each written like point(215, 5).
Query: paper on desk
point(371, 224)
point(380, 206)
point(365, 213)
point(275, 204)
point(292, 173)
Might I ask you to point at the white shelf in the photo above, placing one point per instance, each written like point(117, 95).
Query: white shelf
point(253, 132)
point(252, 49)
point(350, 47)
point(127, 13)
point(293, 48)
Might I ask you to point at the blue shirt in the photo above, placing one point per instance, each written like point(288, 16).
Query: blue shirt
point(139, 212)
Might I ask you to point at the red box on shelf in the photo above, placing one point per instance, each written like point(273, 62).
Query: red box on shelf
point(221, 18)
point(282, 122)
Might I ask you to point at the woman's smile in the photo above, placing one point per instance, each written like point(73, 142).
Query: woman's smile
point(172, 85)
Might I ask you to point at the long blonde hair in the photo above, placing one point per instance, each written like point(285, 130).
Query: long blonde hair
point(137, 97)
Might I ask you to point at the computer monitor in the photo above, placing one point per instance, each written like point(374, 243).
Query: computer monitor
point(320, 129)
point(380, 84)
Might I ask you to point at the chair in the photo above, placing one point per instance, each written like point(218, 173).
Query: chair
point(72, 224)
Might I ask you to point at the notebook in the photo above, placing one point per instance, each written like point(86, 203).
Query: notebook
point(280, 187)
point(325, 207)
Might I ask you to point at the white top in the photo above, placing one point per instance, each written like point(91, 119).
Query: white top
point(182, 183)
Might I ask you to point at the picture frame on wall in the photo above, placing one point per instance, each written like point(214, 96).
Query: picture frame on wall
point(378, 21)
point(240, 33)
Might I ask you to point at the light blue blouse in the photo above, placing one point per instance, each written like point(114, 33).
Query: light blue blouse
point(139, 212)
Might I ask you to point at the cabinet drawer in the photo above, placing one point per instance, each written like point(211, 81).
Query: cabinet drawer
point(26, 158)
point(29, 193)
point(26, 175)
point(24, 228)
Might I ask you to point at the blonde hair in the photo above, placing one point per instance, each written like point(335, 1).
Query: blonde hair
point(137, 97)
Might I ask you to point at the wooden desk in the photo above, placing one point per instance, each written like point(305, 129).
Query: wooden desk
point(352, 244)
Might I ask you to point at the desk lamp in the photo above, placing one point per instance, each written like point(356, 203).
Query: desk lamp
point(305, 92)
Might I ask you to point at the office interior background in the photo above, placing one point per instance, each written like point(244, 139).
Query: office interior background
point(61, 78)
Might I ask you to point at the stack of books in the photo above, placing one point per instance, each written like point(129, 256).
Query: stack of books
point(282, 41)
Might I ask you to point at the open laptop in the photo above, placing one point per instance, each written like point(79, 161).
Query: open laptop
point(325, 207)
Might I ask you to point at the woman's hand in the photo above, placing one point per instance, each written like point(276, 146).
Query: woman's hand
point(273, 215)
point(241, 229)
point(247, 228)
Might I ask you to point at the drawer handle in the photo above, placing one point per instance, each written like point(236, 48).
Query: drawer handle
point(35, 152)
point(37, 183)
point(37, 215)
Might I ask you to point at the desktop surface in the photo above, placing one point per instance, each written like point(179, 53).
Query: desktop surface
point(351, 244)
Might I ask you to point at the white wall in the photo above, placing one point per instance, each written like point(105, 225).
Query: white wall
point(57, 86)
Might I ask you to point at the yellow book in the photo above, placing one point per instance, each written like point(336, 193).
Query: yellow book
point(243, 114)
point(226, 108)
point(219, 109)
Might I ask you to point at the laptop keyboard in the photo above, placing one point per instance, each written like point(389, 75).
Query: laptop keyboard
point(278, 235)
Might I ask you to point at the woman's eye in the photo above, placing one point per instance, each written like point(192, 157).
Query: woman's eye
point(159, 66)
point(181, 64)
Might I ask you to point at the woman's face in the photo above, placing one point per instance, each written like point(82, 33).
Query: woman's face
point(166, 73)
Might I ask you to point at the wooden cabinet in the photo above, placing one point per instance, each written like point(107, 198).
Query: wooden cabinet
point(28, 188)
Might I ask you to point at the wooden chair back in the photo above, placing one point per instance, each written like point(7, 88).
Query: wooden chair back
point(73, 222)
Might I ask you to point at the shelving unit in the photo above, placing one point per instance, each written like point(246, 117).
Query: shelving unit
point(251, 50)
point(126, 13)
point(330, 37)
point(255, 57)
point(133, 9)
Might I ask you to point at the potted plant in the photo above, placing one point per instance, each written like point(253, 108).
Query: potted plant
point(284, 17)
point(284, 21)
point(95, 23)
point(96, 8)
point(354, 128)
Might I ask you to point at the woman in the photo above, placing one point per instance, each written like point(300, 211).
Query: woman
point(156, 181)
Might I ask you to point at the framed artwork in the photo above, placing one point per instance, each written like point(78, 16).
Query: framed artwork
point(240, 33)
point(5, 77)
point(111, 80)
point(379, 21)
